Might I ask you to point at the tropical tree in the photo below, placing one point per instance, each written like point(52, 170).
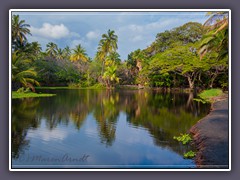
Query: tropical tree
point(20, 30)
point(59, 54)
point(67, 52)
point(22, 75)
point(110, 76)
point(183, 61)
point(79, 54)
point(36, 49)
point(112, 58)
point(217, 37)
point(51, 49)
point(107, 44)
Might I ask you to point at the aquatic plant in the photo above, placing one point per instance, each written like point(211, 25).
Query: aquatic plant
point(184, 138)
point(189, 155)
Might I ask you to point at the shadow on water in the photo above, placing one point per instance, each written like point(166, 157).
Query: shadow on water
point(162, 115)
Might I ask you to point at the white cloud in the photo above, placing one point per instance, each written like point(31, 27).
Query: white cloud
point(137, 38)
point(92, 35)
point(136, 28)
point(74, 34)
point(51, 31)
point(77, 42)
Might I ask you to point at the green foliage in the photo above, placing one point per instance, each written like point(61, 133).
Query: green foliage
point(110, 76)
point(189, 155)
point(185, 56)
point(79, 54)
point(200, 100)
point(24, 94)
point(19, 32)
point(207, 95)
point(188, 33)
point(216, 38)
point(21, 72)
point(184, 138)
point(20, 90)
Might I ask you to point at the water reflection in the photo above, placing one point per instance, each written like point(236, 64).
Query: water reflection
point(162, 115)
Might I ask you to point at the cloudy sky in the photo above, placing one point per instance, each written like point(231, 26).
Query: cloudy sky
point(134, 29)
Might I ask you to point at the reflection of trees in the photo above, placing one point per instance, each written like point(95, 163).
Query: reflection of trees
point(75, 105)
point(106, 114)
point(164, 114)
point(23, 118)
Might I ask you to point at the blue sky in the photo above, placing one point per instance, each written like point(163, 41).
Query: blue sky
point(134, 29)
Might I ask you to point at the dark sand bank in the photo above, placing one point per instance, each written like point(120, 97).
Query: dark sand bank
point(211, 136)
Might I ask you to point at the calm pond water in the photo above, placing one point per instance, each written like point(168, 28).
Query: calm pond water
point(100, 128)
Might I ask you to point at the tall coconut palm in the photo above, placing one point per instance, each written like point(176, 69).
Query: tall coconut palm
point(20, 30)
point(51, 49)
point(107, 44)
point(79, 54)
point(22, 75)
point(217, 37)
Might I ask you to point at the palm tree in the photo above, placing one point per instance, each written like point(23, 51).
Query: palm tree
point(51, 49)
point(19, 31)
point(113, 58)
point(217, 37)
point(79, 54)
point(110, 76)
point(36, 48)
point(67, 52)
point(107, 44)
point(59, 54)
point(22, 75)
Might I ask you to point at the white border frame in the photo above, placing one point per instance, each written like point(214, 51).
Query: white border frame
point(117, 10)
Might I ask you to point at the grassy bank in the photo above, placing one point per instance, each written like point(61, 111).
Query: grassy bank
point(16, 95)
point(210, 94)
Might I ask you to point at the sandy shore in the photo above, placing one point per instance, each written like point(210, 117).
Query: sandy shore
point(211, 137)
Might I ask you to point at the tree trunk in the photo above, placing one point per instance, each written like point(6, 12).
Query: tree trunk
point(212, 80)
point(190, 82)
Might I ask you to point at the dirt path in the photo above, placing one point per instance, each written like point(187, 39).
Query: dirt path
point(210, 136)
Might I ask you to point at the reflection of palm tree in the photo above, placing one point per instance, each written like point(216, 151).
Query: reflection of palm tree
point(106, 114)
point(78, 118)
point(23, 118)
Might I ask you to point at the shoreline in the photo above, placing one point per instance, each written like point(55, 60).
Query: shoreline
point(211, 136)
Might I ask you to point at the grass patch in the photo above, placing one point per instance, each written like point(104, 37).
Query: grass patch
point(207, 95)
point(16, 95)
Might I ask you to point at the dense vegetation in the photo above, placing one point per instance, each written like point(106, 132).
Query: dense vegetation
point(192, 55)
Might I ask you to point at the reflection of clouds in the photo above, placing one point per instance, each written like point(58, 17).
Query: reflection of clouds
point(90, 128)
point(47, 135)
point(131, 134)
point(139, 147)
